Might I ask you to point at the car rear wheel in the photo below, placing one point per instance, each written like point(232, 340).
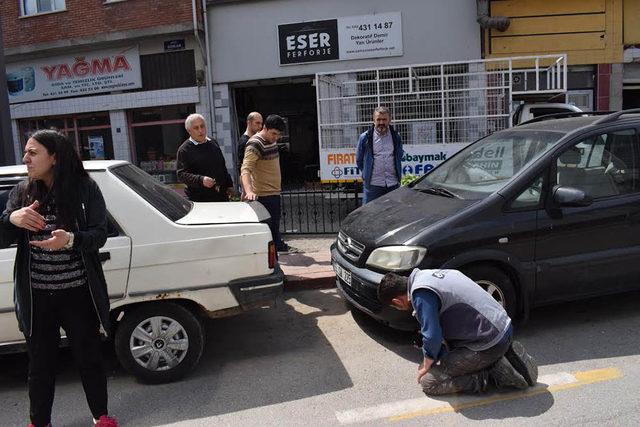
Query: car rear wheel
point(159, 342)
point(497, 284)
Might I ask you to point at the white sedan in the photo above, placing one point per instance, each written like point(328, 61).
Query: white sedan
point(169, 263)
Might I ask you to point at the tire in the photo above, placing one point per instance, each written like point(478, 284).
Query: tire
point(159, 358)
point(497, 283)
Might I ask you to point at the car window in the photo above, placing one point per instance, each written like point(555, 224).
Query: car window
point(543, 111)
point(530, 196)
point(488, 165)
point(164, 199)
point(602, 165)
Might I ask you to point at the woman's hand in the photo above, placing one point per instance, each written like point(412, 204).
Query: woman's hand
point(28, 218)
point(59, 238)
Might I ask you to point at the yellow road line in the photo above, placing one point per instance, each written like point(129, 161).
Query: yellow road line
point(582, 378)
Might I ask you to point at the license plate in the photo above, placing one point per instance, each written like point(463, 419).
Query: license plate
point(343, 274)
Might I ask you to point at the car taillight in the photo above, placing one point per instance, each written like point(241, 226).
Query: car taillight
point(273, 255)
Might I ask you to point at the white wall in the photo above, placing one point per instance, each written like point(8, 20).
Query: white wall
point(244, 35)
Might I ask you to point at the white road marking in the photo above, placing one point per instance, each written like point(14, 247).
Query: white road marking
point(414, 407)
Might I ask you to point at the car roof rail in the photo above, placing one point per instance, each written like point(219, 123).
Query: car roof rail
point(616, 115)
point(565, 115)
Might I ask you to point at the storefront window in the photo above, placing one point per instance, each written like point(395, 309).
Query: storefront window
point(156, 134)
point(90, 133)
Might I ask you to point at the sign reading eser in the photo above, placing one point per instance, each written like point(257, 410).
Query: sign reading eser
point(352, 37)
point(308, 41)
point(74, 75)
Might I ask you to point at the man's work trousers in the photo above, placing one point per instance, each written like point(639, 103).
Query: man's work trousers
point(462, 370)
point(74, 311)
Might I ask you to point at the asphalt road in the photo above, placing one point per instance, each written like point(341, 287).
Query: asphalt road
point(310, 361)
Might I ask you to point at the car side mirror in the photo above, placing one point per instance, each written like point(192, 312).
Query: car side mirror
point(569, 197)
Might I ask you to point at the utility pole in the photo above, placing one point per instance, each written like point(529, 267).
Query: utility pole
point(7, 155)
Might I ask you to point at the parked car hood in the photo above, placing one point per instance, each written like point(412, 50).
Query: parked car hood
point(398, 216)
point(224, 213)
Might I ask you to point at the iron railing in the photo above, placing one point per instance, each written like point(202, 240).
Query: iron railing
point(319, 210)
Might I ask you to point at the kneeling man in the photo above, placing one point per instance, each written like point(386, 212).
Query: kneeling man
point(466, 334)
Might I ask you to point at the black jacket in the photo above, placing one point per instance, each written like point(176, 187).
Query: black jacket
point(197, 161)
point(90, 235)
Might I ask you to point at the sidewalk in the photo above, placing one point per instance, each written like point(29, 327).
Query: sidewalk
point(311, 267)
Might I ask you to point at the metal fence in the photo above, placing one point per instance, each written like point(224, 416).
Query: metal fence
point(453, 102)
point(318, 210)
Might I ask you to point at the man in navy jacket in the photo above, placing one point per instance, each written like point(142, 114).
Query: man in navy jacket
point(379, 156)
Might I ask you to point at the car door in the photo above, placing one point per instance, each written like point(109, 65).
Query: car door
point(595, 249)
point(9, 331)
point(115, 256)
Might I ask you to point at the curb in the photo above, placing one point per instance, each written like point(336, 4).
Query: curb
point(303, 283)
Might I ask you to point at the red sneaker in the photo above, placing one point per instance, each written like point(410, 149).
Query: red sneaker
point(106, 421)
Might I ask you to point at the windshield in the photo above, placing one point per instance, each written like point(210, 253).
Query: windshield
point(486, 166)
point(161, 197)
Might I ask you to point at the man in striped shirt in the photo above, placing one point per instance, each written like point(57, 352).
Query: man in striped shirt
point(260, 173)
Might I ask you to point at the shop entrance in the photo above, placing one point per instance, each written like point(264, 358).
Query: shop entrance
point(296, 102)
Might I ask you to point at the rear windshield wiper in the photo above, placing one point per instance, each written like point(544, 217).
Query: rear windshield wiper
point(439, 191)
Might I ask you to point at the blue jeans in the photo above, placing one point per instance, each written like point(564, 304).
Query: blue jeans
point(372, 192)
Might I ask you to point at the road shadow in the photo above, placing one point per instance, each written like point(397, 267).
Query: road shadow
point(400, 342)
point(602, 327)
point(259, 358)
point(263, 357)
point(596, 328)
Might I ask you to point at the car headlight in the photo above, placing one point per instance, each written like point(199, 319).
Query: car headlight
point(396, 258)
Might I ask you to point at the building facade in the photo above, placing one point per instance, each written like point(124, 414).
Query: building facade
point(266, 55)
point(118, 77)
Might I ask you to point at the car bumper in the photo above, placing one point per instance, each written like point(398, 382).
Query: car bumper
point(362, 293)
point(258, 291)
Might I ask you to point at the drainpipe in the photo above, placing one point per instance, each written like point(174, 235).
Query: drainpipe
point(205, 54)
point(500, 23)
point(209, 65)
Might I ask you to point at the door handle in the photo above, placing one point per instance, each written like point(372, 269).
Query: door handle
point(104, 256)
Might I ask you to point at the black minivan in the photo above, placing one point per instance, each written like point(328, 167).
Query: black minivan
point(543, 212)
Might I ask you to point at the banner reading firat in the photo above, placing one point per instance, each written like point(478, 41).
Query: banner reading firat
point(74, 75)
point(337, 165)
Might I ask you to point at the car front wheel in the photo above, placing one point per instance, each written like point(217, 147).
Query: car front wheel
point(159, 342)
point(497, 284)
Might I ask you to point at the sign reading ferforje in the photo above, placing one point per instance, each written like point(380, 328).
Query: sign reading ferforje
point(351, 37)
point(74, 75)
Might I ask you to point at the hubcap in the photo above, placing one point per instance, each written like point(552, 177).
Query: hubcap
point(493, 290)
point(159, 343)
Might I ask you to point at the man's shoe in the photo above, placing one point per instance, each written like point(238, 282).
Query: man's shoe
point(105, 421)
point(288, 249)
point(504, 375)
point(522, 362)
